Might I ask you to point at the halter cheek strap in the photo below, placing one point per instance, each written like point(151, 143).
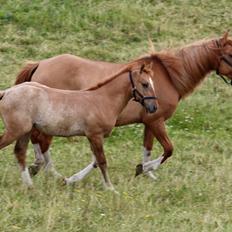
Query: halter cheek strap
point(136, 92)
point(228, 63)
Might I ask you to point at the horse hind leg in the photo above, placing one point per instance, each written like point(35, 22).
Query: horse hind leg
point(20, 154)
point(39, 159)
point(40, 142)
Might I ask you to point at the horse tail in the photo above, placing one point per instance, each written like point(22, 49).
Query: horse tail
point(26, 73)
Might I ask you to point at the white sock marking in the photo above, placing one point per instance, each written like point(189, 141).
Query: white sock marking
point(80, 175)
point(26, 177)
point(146, 155)
point(152, 165)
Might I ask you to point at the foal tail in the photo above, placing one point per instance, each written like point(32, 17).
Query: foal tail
point(2, 92)
point(26, 73)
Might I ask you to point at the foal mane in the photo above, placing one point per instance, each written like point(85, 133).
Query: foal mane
point(128, 67)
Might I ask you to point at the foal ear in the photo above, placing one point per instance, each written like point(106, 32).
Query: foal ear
point(224, 38)
point(142, 68)
point(149, 67)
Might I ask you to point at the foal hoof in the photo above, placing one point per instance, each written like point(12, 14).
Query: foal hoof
point(138, 169)
point(33, 169)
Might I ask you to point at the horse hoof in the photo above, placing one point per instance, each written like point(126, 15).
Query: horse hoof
point(64, 181)
point(138, 169)
point(33, 169)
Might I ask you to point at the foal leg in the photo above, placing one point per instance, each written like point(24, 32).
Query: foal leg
point(6, 139)
point(97, 148)
point(20, 154)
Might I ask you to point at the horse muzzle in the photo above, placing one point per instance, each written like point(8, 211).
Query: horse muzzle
point(151, 108)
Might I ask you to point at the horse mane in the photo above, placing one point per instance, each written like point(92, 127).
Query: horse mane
point(187, 66)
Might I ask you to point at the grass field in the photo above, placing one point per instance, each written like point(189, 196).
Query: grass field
point(194, 188)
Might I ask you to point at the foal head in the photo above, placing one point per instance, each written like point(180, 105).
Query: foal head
point(225, 60)
point(143, 89)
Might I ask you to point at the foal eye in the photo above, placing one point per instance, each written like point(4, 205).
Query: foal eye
point(145, 85)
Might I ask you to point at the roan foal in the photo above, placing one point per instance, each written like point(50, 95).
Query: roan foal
point(91, 113)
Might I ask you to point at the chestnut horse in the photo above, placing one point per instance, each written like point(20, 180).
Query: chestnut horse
point(178, 72)
point(92, 113)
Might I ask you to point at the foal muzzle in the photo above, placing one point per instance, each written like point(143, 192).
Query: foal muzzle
point(143, 100)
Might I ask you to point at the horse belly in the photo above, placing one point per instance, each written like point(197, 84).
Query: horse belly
point(60, 126)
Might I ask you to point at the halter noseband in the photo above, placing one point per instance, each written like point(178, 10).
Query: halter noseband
point(228, 63)
point(141, 98)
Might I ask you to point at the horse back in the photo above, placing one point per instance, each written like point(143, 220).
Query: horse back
point(71, 72)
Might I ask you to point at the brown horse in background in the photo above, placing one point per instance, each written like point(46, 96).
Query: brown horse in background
point(178, 72)
point(91, 113)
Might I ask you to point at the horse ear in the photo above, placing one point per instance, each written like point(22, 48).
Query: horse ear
point(224, 38)
point(142, 68)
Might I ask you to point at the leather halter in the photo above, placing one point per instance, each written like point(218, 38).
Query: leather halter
point(141, 99)
point(223, 58)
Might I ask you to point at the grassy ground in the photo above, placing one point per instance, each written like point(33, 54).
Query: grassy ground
point(193, 190)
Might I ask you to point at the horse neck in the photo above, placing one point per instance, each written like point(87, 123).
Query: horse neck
point(197, 61)
point(116, 93)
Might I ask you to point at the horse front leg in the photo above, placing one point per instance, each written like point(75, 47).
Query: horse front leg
point(146, 153)
point(159, 131)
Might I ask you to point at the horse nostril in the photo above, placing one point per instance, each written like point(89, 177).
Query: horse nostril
point(152, 108)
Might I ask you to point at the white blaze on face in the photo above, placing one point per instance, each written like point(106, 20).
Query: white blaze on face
point(152, 84)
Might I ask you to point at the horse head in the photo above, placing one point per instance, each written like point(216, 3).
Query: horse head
point(225, 59)
point(143, 89)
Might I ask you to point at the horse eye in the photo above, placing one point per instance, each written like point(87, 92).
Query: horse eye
point(230, 55)
point(145, 85)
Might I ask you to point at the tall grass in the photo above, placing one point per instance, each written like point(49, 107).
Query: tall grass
point(193, 190)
